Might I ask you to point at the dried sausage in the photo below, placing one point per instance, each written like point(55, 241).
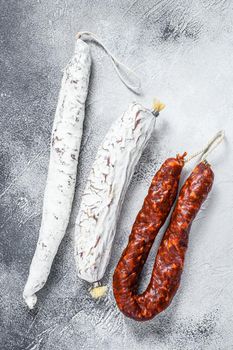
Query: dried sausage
point(169, 261)
point(106, 186)
point(61, 179)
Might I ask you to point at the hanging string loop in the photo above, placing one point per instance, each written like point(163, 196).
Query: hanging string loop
point(123, 72)
point(211, 145)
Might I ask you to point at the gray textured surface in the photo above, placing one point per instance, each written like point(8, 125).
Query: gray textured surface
point(182, 49)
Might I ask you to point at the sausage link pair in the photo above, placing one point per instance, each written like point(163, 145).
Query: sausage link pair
point(169, 261)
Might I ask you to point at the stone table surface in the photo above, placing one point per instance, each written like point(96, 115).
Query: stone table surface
point(183, 52)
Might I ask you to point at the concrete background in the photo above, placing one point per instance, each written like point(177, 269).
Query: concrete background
point(183, 52)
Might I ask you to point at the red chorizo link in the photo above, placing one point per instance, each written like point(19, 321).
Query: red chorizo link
point(156, 207)
point(169, 261)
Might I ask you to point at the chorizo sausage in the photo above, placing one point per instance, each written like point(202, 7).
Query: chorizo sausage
point(169, 261)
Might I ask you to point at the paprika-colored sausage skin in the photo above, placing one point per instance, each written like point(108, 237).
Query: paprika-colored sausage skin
point(169, 261)
point(156, 207)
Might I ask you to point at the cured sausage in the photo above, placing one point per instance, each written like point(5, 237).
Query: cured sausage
point(61, 179)
point(106, 185)
point(64, 152)
point(169, 261)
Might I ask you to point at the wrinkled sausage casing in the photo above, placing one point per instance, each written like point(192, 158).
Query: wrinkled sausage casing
point(156, 207)
point(169, 261)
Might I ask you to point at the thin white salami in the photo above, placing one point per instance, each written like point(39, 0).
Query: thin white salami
point(64, 152)
point(107, 183)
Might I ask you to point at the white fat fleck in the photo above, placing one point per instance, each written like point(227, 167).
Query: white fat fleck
point(105, 190)
point(60, 186)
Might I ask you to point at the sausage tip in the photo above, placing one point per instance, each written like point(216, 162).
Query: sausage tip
point(98, 292)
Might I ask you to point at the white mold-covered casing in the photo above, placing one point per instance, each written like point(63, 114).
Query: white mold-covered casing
point(64, 153)
point(105, 190)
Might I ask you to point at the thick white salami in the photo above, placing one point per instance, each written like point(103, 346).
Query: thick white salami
point(64, 152)
point(105, 189)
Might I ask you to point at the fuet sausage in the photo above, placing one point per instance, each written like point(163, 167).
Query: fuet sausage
point(64, 153)
point(106, 186)
point(169, 261)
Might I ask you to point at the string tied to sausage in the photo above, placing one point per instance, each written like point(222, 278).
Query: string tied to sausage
point(211, 145)
point(97, 290)
point(157, 107)
point(123, 72)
